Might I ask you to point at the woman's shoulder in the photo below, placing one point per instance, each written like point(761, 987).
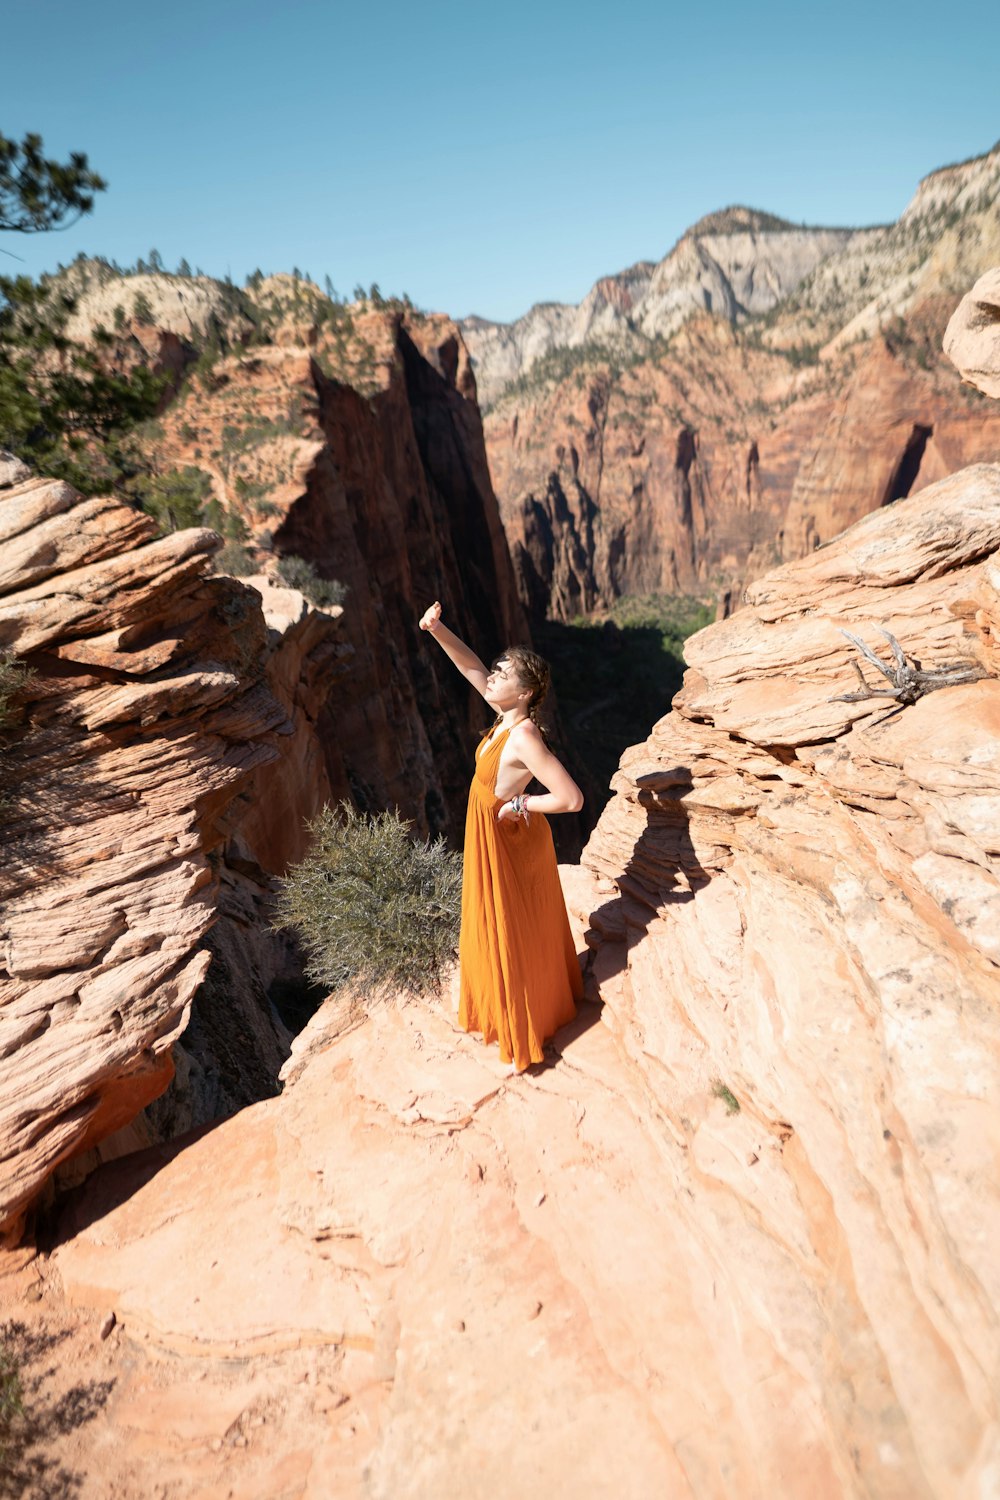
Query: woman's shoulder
point(526, 733)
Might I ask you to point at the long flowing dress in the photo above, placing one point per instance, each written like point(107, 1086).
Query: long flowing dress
point(520, 977)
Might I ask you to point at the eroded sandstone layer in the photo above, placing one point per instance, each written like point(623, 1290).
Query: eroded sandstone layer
point(803, 919)
point(147, 714)
point(746, 1215)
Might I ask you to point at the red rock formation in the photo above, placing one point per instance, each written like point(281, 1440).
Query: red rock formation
point(626, 466)
point(747, 1215)
point(145, 718)
point(697, 472)
point(374, 469)
point(804, 902)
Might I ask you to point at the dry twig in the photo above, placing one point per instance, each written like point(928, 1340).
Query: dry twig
point(908, 682)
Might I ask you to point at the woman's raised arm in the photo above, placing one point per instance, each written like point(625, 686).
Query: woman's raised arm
point(455, 649)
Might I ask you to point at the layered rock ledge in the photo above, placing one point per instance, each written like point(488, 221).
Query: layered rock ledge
point(802, 919)
point(147, 714)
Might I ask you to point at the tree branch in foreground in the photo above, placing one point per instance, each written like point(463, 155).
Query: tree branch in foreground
point(908, 683)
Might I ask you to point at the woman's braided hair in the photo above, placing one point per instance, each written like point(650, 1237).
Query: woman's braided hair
point(533, 673)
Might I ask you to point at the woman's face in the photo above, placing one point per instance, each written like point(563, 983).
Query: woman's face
point(503, 690)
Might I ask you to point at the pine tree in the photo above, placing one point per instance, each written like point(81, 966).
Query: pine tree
point(37, 194)
point(65, 408)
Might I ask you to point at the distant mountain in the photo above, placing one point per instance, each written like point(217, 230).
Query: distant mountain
point(737, 262)
point(694, 422)
point(948, 232)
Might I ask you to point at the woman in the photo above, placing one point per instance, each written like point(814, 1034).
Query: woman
point(519, 975)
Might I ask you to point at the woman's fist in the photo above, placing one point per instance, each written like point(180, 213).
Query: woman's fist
point(431, 618)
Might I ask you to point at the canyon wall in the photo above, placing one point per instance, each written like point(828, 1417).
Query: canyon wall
point(696, 464)
point(146, 716)
point(176, 739)
point(798, 952)
point(361, 450)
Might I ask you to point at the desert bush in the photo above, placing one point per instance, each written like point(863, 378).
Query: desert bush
point(299, 573)
point(235, 560)
point(371, 902)
point(11, 1395)
point(175, 500)
point(14, 677)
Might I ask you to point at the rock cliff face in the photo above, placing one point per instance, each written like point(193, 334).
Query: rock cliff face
point(147, 715)
point(697, 467)
point(804, 923)
point(736, 263)
point(362, 451)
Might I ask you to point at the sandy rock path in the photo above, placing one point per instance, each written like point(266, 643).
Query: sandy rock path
point(407, 1276)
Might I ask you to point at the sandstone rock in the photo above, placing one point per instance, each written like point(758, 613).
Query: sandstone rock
point(747, 1213)
point(802, 917)
point(115, 790)
point(734, 263)
point(972, 338)
point(459, 1258)
point(12, 470)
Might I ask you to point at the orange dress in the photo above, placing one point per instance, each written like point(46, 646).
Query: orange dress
point(519, 972)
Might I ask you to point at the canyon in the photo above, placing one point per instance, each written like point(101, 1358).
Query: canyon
point(175, 741)
point(693, 456)
point(745, 1212)
point(746, 1209)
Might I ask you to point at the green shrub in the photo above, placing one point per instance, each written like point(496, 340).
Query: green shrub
point(299, 573)
point(371, 902)
point(175, 500)
point(235, 560)
point(142, 309)
point(11, 1391)
point(729, 1099)
point(14, 676)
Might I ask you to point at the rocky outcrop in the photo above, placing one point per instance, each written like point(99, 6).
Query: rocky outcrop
point(972, 338)
point(698, 466)
point(360, 448)
point(146, 716)
point(898, 425)
point(804, 897)
point(746, 1213)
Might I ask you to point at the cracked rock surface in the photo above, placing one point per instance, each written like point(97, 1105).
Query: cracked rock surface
point(801, 918)
point(146, 715)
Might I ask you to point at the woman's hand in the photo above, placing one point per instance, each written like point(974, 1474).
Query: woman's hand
point(431, 618)
point(509, 811)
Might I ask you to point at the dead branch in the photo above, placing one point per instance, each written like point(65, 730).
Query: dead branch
point(907, 682)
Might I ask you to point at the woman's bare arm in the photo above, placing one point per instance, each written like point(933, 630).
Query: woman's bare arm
point(461, 655)
point(561, 792)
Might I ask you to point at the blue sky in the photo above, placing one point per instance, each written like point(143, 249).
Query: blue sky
point(482, 158)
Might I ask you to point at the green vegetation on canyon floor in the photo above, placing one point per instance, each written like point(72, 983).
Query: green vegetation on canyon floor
point(616, 674)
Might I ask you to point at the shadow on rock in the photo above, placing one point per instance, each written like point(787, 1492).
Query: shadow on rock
point(108, 1188)
point(31, 1420)
point(663, 870)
